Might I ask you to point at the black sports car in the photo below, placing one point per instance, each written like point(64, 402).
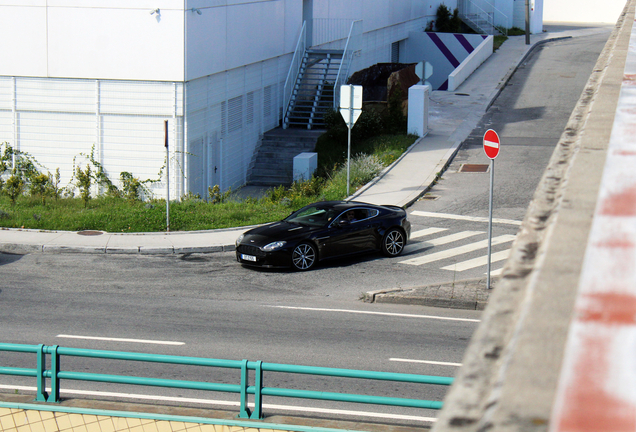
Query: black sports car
point(325, 230)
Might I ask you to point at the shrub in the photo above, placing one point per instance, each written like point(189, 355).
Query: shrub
point(447, 22)
point(41, 186)
point(84, 182)
point(395, 122)
point(14, 187)
point(131, 186)
point(215, 195)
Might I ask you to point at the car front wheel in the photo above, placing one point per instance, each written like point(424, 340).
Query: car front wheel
point(393, 242)
point(304, 256)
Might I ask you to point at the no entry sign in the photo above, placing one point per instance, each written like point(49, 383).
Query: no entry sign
point(491, 143)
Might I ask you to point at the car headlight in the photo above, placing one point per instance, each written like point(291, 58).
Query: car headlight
point(273, 246)
point(239, 239)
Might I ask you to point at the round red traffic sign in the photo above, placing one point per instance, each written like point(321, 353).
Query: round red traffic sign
point(491, 143)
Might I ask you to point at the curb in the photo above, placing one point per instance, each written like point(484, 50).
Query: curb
point(14, 248)
point(469, 294)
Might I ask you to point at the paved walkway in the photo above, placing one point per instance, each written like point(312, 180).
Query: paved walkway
point(452, 116)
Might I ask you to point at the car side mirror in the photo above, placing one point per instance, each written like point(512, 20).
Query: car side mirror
point(343, 223)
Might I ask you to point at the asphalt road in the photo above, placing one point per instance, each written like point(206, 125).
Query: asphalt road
point(529, 116)
point(212, 307)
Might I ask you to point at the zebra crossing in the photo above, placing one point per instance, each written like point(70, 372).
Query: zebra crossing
point(441, 245)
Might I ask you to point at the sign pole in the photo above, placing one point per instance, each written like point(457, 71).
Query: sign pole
point(350, 125)
point(165, 133)
point(492, 182)
point(350, 108)
point(491, 148)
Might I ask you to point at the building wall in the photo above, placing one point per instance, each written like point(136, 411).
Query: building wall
point(583, 11)
point(226, 114)
point(78, 74)
point(84, 39)
point(60, 122)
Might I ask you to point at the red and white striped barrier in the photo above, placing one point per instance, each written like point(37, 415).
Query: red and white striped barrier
point(597, 387)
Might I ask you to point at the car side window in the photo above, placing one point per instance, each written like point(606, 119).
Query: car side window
point(356, 215)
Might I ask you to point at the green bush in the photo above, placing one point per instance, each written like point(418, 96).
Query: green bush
point(84, 182)
point(447, 22)
point(14, 187)
point(41, 186)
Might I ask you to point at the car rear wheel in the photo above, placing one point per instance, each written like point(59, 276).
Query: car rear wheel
point(393, 242)
point(304, 256)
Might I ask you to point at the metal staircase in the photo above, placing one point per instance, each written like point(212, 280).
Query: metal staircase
point(313, 92)
point(481, 23)
point(483, 18)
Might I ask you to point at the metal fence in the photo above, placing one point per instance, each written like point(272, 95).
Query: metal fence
point(258, 390)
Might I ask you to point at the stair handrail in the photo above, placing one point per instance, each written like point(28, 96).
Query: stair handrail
point(351, 47)
point(487, 14)
point(301, 45)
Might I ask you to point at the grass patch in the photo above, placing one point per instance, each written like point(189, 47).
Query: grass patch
point(118, 214)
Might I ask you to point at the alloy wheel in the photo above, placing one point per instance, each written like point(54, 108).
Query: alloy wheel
point(393, 242)
point(304, 256)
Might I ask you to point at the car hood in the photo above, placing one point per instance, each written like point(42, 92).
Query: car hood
point(276, 231)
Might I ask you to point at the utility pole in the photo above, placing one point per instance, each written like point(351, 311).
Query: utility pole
point(527, 22)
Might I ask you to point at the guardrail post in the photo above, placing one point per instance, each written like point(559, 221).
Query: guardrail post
point(258, 395)
point(41, 380)
point(55, 370)
point(245, 412)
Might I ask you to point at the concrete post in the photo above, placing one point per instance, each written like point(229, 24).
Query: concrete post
point(418, 110)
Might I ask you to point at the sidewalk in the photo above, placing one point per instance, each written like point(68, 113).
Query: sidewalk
point(452, 116)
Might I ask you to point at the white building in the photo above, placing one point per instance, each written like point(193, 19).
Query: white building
point(105, 74)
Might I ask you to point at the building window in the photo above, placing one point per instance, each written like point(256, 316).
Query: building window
point(249, 118)
point(235, 114)
point(267, 101)
point(395, 52)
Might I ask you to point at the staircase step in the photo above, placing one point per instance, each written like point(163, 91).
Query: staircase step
point(272, 164)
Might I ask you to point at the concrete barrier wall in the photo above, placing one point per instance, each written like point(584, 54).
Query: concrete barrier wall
point(521, 370)
point(470, 63)
point(444, 51)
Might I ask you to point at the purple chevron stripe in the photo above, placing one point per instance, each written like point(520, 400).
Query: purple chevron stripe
point(462, 40)
point(449, 55)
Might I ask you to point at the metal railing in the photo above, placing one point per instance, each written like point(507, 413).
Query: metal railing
point(325, 30)
point(468, 7)
point(258, 390)
point(296, 61)
point(352, 47)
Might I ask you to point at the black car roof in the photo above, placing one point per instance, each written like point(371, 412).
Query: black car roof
point(343, 205)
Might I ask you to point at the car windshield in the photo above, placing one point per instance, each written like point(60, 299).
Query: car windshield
point(316, 216)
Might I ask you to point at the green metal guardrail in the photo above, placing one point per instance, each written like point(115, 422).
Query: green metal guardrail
point(244, 389)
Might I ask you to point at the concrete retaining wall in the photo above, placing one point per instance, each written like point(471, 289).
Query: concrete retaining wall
point(470, 63)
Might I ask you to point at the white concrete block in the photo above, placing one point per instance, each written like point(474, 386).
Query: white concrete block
point(305, 164)
point(418, 110)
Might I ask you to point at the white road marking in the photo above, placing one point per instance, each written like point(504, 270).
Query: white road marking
point(120, 340)
point(420, 246)
point(375, 313)
point(448, 239)
point(478, 262)
point(466, 218)
point(228, 403)
point(495, 272)
point(449, 253)
point(426, 232)
point(425, 361)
